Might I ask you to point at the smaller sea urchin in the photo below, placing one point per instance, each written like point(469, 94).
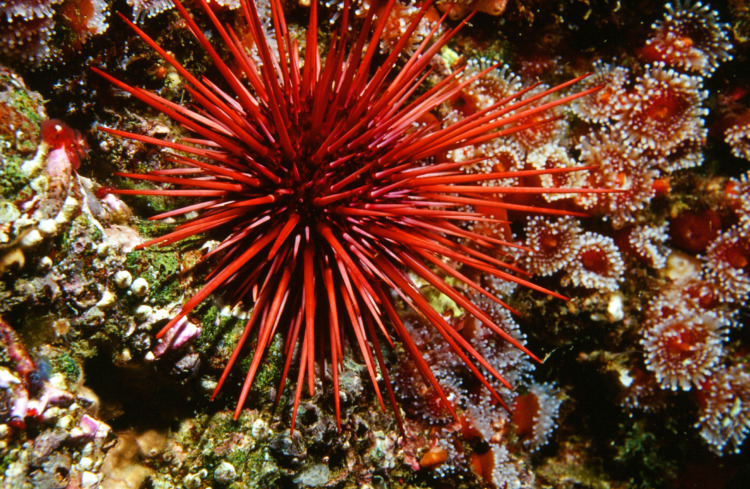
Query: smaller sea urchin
point(329, 192)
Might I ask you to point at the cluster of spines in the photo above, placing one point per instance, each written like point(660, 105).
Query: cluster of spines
point(314, 169)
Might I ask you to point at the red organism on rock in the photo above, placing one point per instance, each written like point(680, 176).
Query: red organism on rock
point(693, 231)
point(57, 134)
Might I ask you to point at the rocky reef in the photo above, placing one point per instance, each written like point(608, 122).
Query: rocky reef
point(645, 380)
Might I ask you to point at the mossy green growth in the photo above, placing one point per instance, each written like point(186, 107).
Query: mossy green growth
point(66, 365)
point(254, 468)
point(21, 112)
point(5, 463)
point(270, 369)
point(151, 204)
point(223, 423)
point(221, 438)
point(218, 330)
point(12, 179)
point(640, 453)
point(160, 267)
point(212, 320)
point(152, 229)
point(219, 338)
point(80, 227)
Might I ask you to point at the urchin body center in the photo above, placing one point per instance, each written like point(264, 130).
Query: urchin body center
point(304, 189)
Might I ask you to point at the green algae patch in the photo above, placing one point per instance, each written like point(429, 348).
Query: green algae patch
point(161, 268)
point(12, 179)
point(270, 369)
point(80, 239)
point(218, 340)
point(219, 438)
point(641, 452)
point(213, 322)
point(22, 112)
point(66, 365)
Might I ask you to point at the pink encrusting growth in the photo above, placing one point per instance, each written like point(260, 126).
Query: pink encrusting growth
point(332, 193)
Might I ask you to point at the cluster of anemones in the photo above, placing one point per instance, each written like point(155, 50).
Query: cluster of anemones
point(689, 37)
point(553, 155)
point(601, 107)
point(647, 122)
point(645, 243)
point(539, 147)
point(644, 124)
point(596, 263)
point(589, 259)
point(549, 127)
point(533, 406)
point(644, 128)
point(550, 242)
point(27, 26)
point(661, 115)
point(483, 92)
point(502, 84)
point(687, 325)
point(663, 112)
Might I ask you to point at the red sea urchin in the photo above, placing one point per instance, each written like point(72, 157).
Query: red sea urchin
point(332, 192)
